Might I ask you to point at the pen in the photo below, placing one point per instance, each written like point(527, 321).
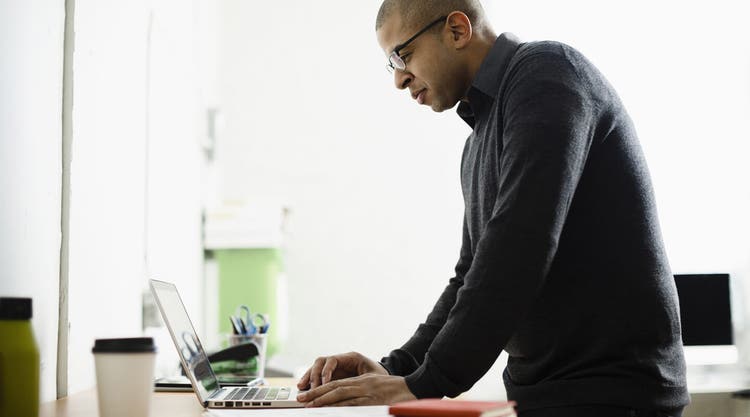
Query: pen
point(235, 327)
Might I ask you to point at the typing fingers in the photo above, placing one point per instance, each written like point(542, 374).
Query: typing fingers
point(335, 393)
point(315, 372)
point(304, 382)
point(328, 369)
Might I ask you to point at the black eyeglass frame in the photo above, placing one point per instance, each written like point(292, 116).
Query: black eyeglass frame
point(400, 64)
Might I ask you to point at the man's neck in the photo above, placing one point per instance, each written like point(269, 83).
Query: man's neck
point(479, 50)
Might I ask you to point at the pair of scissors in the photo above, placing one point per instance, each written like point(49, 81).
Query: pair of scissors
point(251, 323)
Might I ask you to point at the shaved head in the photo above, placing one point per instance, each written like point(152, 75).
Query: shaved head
point(416, 13)
point(437, 70)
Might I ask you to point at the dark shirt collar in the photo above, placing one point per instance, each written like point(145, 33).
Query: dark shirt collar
point(486, 83)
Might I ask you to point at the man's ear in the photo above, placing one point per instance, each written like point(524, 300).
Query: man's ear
point(460, 29)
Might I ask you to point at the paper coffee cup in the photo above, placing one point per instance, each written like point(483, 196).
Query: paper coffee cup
point(124, 376)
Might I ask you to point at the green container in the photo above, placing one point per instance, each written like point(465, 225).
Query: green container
point(19, 360)
point(250, 277)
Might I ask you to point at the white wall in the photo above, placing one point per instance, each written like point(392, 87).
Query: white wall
point(107, 179)
point(176, 127)
point(135, 192)
point(313, 120)
point(31, 52)
point(135, 180)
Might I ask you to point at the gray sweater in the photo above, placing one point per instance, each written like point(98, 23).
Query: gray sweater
point(562, 263)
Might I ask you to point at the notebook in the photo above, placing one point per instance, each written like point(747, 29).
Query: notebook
point(195, 361)
point(434, 407)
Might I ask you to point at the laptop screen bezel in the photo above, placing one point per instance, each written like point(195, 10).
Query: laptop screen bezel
point(201, 392)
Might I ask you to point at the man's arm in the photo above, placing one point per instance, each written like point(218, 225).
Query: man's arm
point(547, 120)
point(410, 356)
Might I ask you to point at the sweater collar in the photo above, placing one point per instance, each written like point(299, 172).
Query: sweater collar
point(486, 83)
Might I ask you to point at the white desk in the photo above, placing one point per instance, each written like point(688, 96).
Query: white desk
point(711, 392)
point(711, 397)
point(185, 404)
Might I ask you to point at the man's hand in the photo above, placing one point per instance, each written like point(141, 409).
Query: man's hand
point(345, 365)
point(368, 389)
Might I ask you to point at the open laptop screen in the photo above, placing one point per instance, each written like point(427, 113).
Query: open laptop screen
point(193, 356)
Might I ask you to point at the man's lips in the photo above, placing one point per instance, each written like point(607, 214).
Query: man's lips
point(419, 96)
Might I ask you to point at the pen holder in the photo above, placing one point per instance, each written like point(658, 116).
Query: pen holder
point(255, 367)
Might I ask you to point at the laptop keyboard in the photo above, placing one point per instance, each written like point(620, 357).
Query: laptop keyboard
point(258, 394)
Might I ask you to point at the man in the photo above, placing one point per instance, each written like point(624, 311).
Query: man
point(562, 263)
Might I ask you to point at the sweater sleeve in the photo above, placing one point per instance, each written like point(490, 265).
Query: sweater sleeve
point(410, 356)
point(546, 134)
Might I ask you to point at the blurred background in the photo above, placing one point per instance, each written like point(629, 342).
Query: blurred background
point(178, 140)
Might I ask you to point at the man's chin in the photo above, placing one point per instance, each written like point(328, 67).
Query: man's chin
point(437, 106)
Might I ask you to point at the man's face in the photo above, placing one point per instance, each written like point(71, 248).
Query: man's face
point(432, 74)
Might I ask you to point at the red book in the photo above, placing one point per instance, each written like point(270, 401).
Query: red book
point(452, 408)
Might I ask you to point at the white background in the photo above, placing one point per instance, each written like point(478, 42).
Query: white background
point(313, 121)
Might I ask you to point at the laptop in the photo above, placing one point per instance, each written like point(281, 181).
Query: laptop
point(197, 368)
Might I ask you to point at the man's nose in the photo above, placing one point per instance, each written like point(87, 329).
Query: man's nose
point(402, 79)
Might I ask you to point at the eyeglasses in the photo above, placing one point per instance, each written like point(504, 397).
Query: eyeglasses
point(395, 62)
